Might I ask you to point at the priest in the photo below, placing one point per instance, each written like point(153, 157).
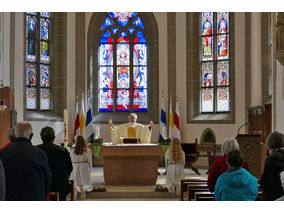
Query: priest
point(131, 130)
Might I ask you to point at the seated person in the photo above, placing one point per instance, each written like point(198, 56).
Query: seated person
point(2, 182)
point(274, 164)
point(174, 161)
point(131, 130)
point(81, 158)
point(282, 182)
point(236, 184)
point(220, 165)
point(59, 162)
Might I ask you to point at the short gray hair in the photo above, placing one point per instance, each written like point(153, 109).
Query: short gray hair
point(134, 114)
point(229, 145)
point(23, 130)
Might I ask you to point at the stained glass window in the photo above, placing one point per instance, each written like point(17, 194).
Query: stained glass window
point(122, 57)
point(215, 64)
point(38, 61)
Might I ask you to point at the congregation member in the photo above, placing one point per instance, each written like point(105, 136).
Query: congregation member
point(236, 184)
point(59, 162)
point(220, 165)
point(27, 174)
point(282, 182)
point(174, 162)
point(2, 182)
point(131, 130)
point(270, 182)
point(11, 136)
point(81, 158)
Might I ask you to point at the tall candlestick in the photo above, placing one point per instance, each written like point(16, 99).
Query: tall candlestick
point(65, 128)
point(97, 133)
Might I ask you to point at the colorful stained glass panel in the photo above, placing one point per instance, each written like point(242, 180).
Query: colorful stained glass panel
point(140, 100)
point(31, 27)
point(139, 54)
point(138, 22)
point(106, 78)
point(45, 14)
point(207, 48)
point(131, 30)
point(44, 28)
point(123, 100)
point(107, 23)
point(30, 74)
point(44, 52)
point(207, 75)
point(122, 17)
point(122, 54)
point(123, 77)
point(223, 104)
point(223, 46)
point(106, 54)
point(32, 13)
point(114, 30)
point(44, 76)
point(44, 99)
point(31, 98)
point(223, 22)
point(140, 77)
point(207, 23)
point(106, 100)
point(30, 50)
point(207, 100)
point(222, 73)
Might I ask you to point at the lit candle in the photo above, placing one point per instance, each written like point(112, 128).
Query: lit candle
point(65, 128)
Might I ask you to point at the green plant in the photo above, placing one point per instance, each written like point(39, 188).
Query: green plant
point(96, 141)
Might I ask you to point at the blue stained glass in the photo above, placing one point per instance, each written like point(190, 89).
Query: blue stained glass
point(30, 74)
point(138, 22)
point(140, 100)
point(44, 29)
point(123, 77)
point(32, 13)
point(114, 30)
point(123, 34)
point(123, 100)
point(107, 23)
point(31, 27)
point(139, 54)
point(30, 50)
point(45, 14)
point(139, 34)
point(44, 76)
point(106, 34)
point(139, 40)
point(122, 17)
point(106, 54)
point(106, 78)
point(131, 30)
point(140, 77)
point(106, 100)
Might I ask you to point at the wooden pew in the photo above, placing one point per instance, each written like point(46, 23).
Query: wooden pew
point(204, 196)
point(184, 183)
point(198, 187)
point(53, 196)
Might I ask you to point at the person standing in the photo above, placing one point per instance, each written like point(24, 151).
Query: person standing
point(274, 164)
point(81, 158)
point(59, 162)
point(27, 174)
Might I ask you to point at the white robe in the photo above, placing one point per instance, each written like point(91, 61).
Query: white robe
point(142, 132)
point(175, 172)
point(81, 174)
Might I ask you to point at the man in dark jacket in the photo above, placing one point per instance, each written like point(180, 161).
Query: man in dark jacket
point(27, 173)
point(59, 162)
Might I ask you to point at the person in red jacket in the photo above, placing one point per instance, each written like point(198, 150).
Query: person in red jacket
point(11, 136)
point(220, 165)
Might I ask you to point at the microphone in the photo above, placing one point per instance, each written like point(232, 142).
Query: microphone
point(246, 124)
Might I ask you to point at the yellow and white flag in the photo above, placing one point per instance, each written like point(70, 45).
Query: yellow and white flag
point(171, 119)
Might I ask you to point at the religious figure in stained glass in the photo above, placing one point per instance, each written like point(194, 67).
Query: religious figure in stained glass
point(222, 45)
point(31, 27)
point(123, 77)
point(207, 28)
point(207, 47)
point(44, 29)
point(207, 80)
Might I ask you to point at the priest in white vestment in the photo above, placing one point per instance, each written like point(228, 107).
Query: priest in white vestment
point(131, 130)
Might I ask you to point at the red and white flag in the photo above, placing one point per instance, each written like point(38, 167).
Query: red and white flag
point(177, 123)
point(77, 123)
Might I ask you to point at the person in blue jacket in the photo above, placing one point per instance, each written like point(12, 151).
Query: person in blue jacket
point(236, 184)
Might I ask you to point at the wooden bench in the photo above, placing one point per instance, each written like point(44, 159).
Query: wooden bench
point(199, 187)
point(184, 183)
point(191, 154)
point(204, 196)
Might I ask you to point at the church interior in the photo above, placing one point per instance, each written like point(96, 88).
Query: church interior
point(221, 71)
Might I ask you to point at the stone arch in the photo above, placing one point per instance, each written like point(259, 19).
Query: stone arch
point(151, 29)
point(208, 137)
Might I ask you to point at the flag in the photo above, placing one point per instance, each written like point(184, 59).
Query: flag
point(82, 117)
point(177, 123)
point(89, 121)
point(163, 122)
point(77, 122)
point(171, 120)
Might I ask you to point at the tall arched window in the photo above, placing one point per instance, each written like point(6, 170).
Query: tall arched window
point(37, 66)
point(122, 63)
point(215, 62)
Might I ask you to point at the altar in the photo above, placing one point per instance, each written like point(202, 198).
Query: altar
point(131, 164)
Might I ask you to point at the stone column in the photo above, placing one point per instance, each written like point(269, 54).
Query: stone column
point(280, 38)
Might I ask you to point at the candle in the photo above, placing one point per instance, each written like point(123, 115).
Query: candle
point(165, 132)
point(97, 133)
point(65, 128)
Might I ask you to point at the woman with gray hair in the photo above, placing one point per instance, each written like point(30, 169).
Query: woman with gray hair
point(270, 182)
point(220, 165)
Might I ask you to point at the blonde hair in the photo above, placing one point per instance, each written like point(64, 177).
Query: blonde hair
point(175, 151)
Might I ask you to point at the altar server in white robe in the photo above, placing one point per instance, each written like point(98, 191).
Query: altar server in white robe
point(81, 158)
point(131, 130)
point(174, 162)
